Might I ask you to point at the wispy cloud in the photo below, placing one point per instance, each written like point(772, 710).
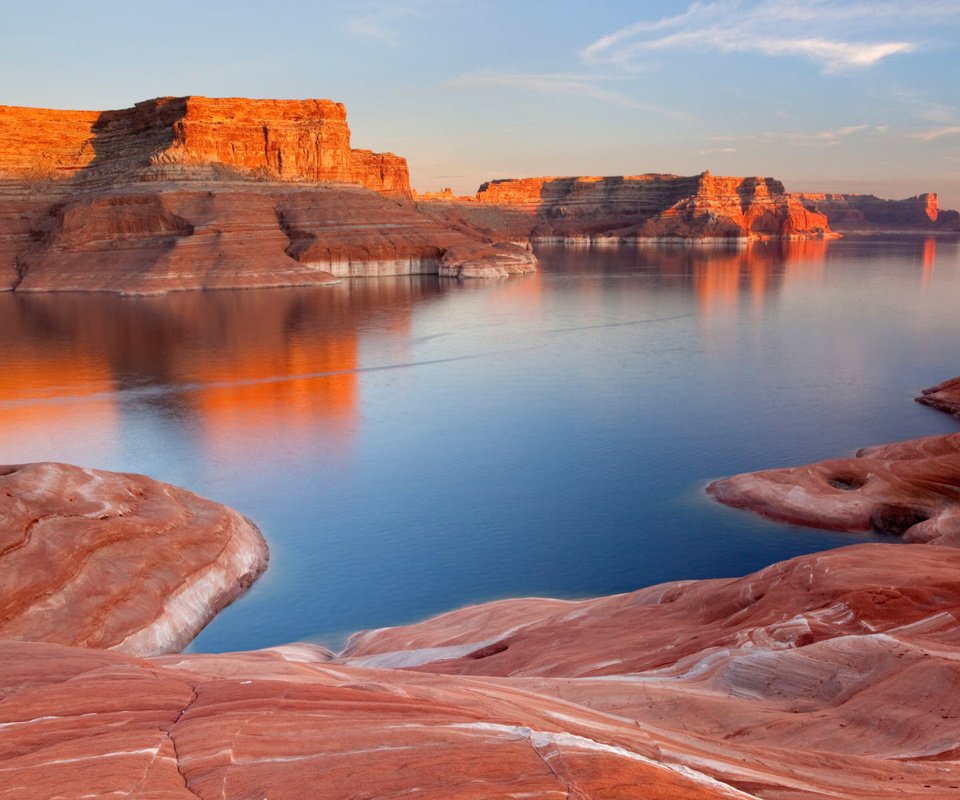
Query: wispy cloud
point(558, 84)
point(937, 133)
point(379, 22)
point(831, 136)
point(828, 33)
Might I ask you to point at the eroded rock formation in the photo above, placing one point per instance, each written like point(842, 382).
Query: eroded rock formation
point(909, 489)
point(829, 675)
point(116, 561)
point(634, 207)
point(864, 213)
point(944, 397)
point(193, 192)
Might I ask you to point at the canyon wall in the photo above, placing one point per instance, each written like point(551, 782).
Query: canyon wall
point(865, 213)
point(288, 140)
point(201, 193)
point(634, 207)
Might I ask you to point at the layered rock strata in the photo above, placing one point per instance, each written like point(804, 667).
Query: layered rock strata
point(652, 206)
point(198, 193)
point(865, 213)
point(826, 676)
point(909, 489)
point(116, 561)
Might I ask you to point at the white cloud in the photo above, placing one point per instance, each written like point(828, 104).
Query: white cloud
point(827, 33)
point(558, 84)
point(810, 138)
point(937, 133)
point(379, 22)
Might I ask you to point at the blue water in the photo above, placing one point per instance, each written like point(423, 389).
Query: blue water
point(410, 445)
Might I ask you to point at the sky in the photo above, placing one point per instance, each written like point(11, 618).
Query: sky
point(826, 96)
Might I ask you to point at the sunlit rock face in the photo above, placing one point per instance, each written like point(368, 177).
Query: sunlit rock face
point(865, 212)
point(116, 561)
point(615, 209)
point(199, 193)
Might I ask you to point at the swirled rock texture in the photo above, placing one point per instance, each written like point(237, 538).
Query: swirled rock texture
point(829, 675)
point(116, 561)
point(909, 489)
point(199, 193)
point(616, 209)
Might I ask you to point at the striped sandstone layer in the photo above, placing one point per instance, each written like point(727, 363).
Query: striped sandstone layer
point(199, 193)
point(115, 561)
point(651, 206)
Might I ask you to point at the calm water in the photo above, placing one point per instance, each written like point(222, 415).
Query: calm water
point(409, 445)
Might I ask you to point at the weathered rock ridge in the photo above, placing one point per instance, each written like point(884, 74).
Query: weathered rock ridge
point(193, 192)
point(909, 489)
point(652, 206)
point(865, 213)
point(115, 561)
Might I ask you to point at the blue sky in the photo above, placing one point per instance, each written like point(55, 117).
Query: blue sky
point(842, 96)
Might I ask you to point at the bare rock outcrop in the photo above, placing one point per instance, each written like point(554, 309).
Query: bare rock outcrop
point(199, 193)
point(829, 675)
point(652, 206)
point(116, 561)
point(944, 397)
point(865, 213)
point(909, 489)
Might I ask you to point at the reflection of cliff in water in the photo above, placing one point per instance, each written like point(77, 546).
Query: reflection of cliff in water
point(228, 363)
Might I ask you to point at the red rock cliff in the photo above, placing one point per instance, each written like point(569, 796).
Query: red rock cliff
point(645, 206)
point(195, 192)
point(290, 140)
point(865, 212)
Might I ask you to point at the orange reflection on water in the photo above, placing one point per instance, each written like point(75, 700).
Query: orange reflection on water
point(929, 259)
point(243, 369)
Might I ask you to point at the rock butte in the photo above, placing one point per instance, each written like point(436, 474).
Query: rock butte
point(194, 192)
point(624, 209)
point(115, 561)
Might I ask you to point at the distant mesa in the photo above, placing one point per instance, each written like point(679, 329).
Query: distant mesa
point(204, 193)
point(650, 207)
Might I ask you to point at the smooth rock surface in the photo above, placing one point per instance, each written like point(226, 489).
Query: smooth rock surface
point(944, 397)
point(831, 675)
point(116, 561)
point(909, 488)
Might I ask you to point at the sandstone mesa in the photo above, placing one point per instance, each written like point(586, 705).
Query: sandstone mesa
point(193, 192)
point(196, 193)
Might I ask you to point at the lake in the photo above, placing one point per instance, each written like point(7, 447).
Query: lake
point(410, 445)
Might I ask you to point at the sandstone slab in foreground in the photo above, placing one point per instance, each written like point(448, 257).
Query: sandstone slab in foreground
point(116, 561)
point(828, 676)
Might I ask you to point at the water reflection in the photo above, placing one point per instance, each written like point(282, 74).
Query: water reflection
point(230, 366)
